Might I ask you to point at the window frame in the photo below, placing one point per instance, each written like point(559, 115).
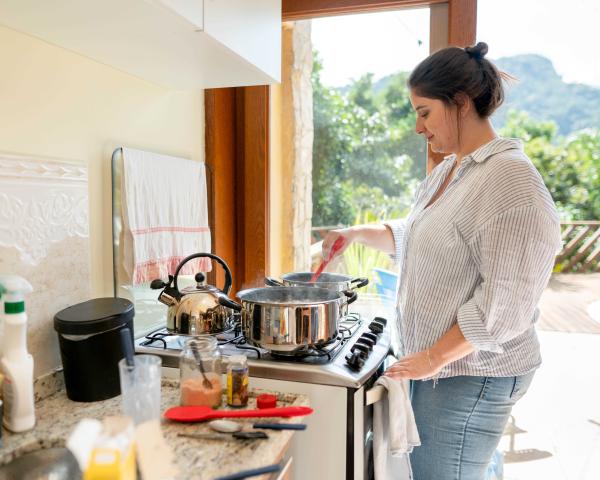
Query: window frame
point(237, 139)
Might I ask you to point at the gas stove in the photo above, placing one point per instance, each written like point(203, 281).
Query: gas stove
point(335, 377)
point(363, 342)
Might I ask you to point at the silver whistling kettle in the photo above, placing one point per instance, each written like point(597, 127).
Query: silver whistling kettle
point(200, 309)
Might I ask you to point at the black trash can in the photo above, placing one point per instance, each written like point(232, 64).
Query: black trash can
point(89, 335)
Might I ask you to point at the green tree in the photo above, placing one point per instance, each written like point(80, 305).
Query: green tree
point(364, 149)
point(583, 152)
point(367, 157)
point(332, 200)
point(569, 166)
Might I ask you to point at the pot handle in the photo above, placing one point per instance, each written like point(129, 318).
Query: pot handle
point(351, 295)
point(219, 260)
point(227, 302)
point(360, 282)
point(272, 282)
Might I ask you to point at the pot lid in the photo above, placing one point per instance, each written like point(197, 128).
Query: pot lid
point(94, 316)
point(323, 278)
point(289, 295)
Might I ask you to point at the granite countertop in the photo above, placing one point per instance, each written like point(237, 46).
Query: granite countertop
point(196, 459)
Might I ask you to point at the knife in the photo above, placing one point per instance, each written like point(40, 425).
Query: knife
point(225, 436)
point(251, 473)
point(280, 426)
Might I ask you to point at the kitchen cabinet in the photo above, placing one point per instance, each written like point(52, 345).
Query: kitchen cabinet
point(180, 44)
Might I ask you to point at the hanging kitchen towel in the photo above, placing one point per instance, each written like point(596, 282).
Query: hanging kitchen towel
point(165, 215)
point(394, 431)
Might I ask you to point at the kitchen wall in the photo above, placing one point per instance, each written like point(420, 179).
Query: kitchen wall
point(55, 103)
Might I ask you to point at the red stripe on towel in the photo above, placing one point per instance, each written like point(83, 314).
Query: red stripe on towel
point(160, 268)
point(142, 231)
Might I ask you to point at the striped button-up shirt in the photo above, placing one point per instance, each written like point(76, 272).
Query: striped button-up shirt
point(479, 256)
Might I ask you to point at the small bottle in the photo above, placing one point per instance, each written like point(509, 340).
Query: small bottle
point(16, 362)
point(237, 381)
point(200, 372)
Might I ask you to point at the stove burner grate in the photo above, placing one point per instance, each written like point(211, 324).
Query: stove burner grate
point(156, 337)
point(233, 337)
point(326, 349)
point(160, 334)
point(239, 341)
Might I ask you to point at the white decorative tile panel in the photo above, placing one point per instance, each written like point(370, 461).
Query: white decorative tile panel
point(44, 237)
point(41, 202)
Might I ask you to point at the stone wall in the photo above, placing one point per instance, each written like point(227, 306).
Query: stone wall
point(297, 138)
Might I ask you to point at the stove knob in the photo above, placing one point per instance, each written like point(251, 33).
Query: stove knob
point(380, 321)
point(361, 349)
point(376, 327)
point(355, 361)
point(366, 341)
point(370, 335)
point(362, 342)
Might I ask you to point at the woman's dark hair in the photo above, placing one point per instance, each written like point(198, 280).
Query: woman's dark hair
point(454, 70)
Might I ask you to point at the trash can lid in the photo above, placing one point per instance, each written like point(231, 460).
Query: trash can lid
point(94, 316)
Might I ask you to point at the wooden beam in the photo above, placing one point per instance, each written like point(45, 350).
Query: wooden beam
point(462, 31)
point(462, 22)
point(305, 9)
point(220, 156)
point(237, 139)
point(252, 185)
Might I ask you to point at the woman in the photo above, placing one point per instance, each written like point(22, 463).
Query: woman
point(475, 254)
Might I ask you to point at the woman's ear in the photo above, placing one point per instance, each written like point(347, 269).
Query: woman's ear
point(463, 103)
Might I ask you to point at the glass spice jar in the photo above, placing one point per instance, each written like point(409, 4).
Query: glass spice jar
point(200, 372)
point(237, 381)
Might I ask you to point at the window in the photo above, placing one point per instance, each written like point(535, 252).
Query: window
point(348, 147)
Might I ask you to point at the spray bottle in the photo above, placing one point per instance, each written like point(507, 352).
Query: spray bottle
point(16, 363)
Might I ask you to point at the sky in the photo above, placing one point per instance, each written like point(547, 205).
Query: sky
point(565, 31)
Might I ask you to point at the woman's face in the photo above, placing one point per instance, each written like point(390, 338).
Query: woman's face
point(436, 122)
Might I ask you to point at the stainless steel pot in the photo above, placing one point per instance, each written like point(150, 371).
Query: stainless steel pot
point(288, 320)
point(331, 281)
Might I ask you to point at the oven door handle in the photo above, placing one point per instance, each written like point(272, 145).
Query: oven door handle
point(374, 394)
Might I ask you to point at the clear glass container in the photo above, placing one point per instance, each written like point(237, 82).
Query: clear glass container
point(237, 381)
point(200, 372)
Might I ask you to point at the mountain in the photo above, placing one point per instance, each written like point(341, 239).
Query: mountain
point(542, 93)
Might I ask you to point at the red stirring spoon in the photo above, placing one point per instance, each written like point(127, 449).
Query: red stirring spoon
point(339, 243)
point(200, 414)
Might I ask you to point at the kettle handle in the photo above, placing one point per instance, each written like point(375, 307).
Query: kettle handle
point(219, 260)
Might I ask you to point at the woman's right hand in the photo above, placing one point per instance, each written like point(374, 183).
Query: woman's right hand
point(378, 236)
point(347, 234)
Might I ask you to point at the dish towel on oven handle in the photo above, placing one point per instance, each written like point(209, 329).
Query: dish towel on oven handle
point(394, 430)
point(165, 215)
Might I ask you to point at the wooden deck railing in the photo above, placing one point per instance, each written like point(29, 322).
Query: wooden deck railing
point(580, 252)
point(581, 247)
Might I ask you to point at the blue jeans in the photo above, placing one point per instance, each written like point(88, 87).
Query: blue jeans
point(460, 423)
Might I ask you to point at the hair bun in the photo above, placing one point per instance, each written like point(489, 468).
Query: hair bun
point(478, 51)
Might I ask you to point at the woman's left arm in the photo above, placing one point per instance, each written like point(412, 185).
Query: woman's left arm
point(451, 347)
